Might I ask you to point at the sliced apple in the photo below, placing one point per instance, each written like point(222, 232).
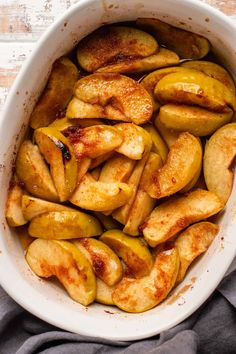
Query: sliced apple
point(135, 140)
point(64, 123)
point(32, 207)
point(84, 164)
point(139, 295)
point(192, 242)
point(93, 141)
point(57, 94)
point(64, 225)
point(59, 154)
point(195, 120)
point(167, 219)
point(194, 181)
point(14, 214)
point(99, 196)
point(219, 154)
point(49, 258)
point(104, 261)
point(194, 88)
point(213, 70)
point(168, 135)
point(111, 96)
point(132, 250)
point(143, 204)
point(117, 169)
point(104, 293)
point(163, 58)
point(187, 44)
point(34, 173)
point(182, 164)
point(112, 44)
point(99, 160)
point(108, 222)
point(158, 144)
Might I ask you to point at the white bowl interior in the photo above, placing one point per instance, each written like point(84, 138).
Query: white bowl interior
point(45, 299)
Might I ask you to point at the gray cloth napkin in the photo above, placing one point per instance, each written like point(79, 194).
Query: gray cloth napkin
point(210, 330)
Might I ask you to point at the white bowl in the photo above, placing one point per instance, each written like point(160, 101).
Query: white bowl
point(45, 299)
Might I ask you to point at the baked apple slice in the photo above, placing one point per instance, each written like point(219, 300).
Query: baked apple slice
point(49, 258)
point(132, 250)
point(104, 293)
point(158, 144)
point(167, 219)
point(32, 170)
point(105, 263)
point(139, 295)
point(14, 214)
point(65, 224)
point(219, 154)
point(117, 169)
point(59, 154)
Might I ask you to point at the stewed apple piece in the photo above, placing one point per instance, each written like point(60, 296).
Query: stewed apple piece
point(104, 261)
point(57, 93)
point(113, 44)
point(139, 295)
point(192, 242)
point(104, 293)
point(167, 219)
point(14, 214)
point(158, 144)
point(59, 154)
point(34, 173)
point(100, 196)
point(49, 258)
point(111, 96)
point(220, 152)
point(65, 224)
point(132, 250)
point(182, 164)
point(117, 169)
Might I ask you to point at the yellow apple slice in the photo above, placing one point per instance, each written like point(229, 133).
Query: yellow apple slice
point(192, 242)
point(139, 295)
point(163, 58)
point(111, 96)
point(93, 141)
point(104, 293)
point(219, 154)
point(158, 144)
point(132, 250)
point(59, 154)
point(105, 263)
point(64, 225)
point(14, 214)
point(113, 44)
point(195, 120)
point(34, 173)
point(64, 123)
point(49, 258)
point(143, 204)
point(99, 196)
point(107, 221)
point(117, 169)
point(168, 135)
point(194, 88)
point(167, 219)
point(57, 93)
point(181, 166)
point(135, 140)
point(213, 70)
point(99, 160)
point(32, 207)
point(187, 44)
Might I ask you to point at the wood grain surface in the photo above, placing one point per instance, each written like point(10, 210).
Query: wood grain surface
point(23, 22)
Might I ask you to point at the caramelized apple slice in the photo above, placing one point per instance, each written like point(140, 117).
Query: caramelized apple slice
point(168, 135)
point(181, 166)
point(111, 96)
point(14, 214)
point(107, 221)
point(194, 88)
point(163, 58)
point(177, 213)
point(139, 295)
point(65, 123)
point(192, 242)
point(104, 261)
point(158, 144)
point(104, 293)
point(34, 173)
point(117, 169)
point(112, 44)
point(132, 251)
point(57, 93)
point(64, 225)
point(99, 196)
point(219, 154)
point(49, 258)
point(187, 44)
